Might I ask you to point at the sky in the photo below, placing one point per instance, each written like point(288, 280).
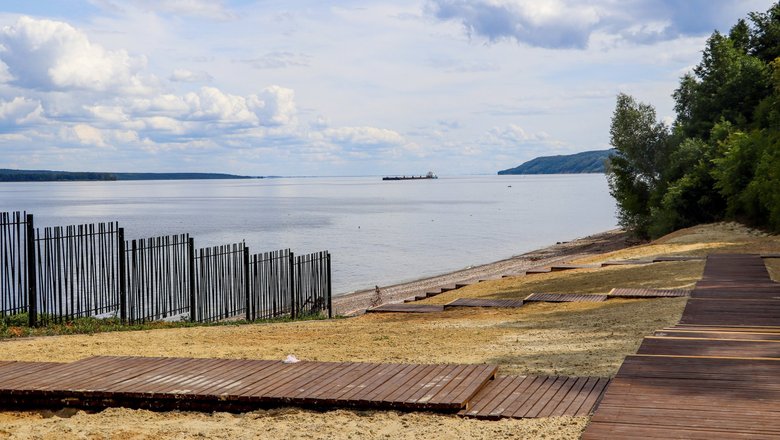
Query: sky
point(301, 88)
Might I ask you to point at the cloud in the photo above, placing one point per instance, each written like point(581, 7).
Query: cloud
point(278, 60)
point(569, 24)
point(89, 135)
point(52, 55)
point(184, 75)
point(18, 112)
point(544, 24)
point(210, 9)
point(513, 135)
point(275, 105)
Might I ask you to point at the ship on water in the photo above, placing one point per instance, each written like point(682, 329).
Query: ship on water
point(430, 175)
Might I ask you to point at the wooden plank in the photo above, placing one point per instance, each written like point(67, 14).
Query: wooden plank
point(467, 388)
point(561, 383)
point(624, 292)
point(407, 308)
point(564, 297)
point(593, 399)
point(492, 395)
point(731, 335)
point(679, 346)
point(577, 389)
point(481, 302)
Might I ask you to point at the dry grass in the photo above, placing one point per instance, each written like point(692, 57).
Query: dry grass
point(565, 339)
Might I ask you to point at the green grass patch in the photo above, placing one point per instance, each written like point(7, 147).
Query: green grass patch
point(15, 326)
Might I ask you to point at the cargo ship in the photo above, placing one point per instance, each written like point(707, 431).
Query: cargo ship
point(430, 175)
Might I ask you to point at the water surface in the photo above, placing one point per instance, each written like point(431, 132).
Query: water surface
point(378, 232)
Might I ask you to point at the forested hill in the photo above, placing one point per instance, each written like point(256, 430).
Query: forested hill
point(585, 162)
point(8, 175)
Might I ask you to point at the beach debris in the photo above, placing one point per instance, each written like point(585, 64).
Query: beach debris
point(291, 359)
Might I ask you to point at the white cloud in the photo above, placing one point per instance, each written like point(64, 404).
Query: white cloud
point(20, 111)
point(212, 9)
point(89, 135)
point(211, 104)
point(357, 137)
point(53, 55)
point(275, 105)
point(184, 75)
point(514, 135)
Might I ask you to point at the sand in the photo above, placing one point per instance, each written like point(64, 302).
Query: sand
point(285, 423)
point(356, 302)
point(564, 339)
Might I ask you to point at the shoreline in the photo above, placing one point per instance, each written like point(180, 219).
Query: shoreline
point(355, 303)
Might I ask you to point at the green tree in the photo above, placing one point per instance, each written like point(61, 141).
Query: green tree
point(635, 170)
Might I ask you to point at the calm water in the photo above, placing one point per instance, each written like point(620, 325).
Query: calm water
point(378, 232)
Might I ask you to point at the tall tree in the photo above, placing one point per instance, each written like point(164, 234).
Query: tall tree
point(635, 171)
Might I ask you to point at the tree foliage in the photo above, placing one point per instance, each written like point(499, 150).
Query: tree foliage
point(720, 159)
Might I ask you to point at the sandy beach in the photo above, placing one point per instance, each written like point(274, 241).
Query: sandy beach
point(356, 302)
point(576, 339)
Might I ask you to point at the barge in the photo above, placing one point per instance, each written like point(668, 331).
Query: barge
point(430, 175)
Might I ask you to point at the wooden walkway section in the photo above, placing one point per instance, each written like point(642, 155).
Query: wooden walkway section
point(714, 375)
point(537, 396)
point(475, 302)
point(239, 385)
point(407, 308)
point(564, 297)
point(621, 292)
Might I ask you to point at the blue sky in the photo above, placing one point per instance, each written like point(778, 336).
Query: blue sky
point(337, 88)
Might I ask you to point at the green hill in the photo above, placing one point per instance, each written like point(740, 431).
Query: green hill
point(585, 162)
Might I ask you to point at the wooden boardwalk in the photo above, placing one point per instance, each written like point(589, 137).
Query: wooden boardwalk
point(475, 302)
point(621, 292)
point(564, 297)
point(237, 385)
point(537, 396)
point(407, 308)
point(714, 375)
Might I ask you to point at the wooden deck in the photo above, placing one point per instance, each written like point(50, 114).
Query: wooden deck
point(621, 292)
point(537, 396)
point(714, 375)
point(561, 267)
point(407, 308)
point(624, 262)
point(564, 297)
point(475, 302)
point(671, 258)
point(231, 385)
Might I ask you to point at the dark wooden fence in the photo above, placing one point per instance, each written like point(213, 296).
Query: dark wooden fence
point(14, 237)
point(271, 281)
point(312, 284)
point(77, 271)
point(158, 278)
point(61, 273)
point(220, 283)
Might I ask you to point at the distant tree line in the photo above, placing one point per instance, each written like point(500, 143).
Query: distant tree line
point(720, 159)
point(9, 175)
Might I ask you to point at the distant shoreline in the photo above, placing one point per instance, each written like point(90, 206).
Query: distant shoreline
point(10, 175)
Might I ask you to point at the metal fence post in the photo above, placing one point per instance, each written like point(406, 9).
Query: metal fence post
point(247, 290)
point(330, 287)
point(191, 252)
point(122, 276)
point(32, 280)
